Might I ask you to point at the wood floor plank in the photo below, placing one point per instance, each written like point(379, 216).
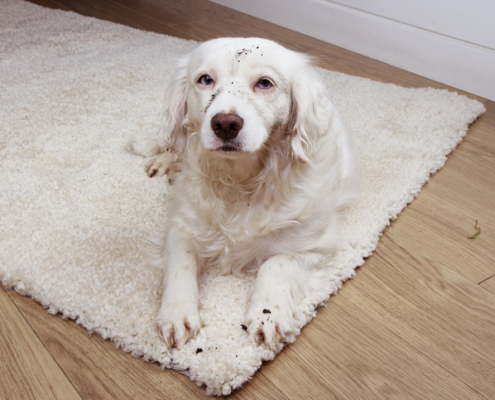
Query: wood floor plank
point(27, 369)
point(443, 218)
point(96, 368)
point(489, 284)
point(346, 354)
point(447, 317)
point(260, 387)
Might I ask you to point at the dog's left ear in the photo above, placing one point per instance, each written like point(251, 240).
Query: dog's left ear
point(173, 134)
point(310, 111)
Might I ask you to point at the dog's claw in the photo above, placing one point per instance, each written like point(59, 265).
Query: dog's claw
point(157, 168)
point(177, 329)
point(271, 330)
point(164, 165)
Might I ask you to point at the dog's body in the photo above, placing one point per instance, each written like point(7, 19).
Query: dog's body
point(263, 168)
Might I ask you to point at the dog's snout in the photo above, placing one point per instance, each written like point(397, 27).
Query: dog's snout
point(226, 126)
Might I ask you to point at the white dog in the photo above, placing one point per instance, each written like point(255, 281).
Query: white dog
point(263, 168)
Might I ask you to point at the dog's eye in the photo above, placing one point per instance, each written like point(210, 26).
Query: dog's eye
point(206, 80)
point(264, 84)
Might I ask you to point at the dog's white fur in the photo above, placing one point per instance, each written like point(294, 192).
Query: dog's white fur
point(273, 205)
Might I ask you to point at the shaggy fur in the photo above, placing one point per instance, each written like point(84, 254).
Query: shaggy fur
point(265, 198)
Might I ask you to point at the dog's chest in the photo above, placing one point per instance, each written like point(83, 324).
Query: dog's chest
point(234, 237)
point(242, 230)
point(234, 226)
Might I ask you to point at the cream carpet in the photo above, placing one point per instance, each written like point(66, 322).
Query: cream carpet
point(76, 209)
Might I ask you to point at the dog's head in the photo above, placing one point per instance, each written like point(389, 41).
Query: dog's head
point(238, 94)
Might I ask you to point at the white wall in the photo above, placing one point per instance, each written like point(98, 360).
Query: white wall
point(468, 20)
point(450, 41)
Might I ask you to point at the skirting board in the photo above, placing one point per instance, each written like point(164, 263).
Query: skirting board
point(456, 63)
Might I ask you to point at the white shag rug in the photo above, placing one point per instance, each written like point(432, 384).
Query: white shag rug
point(76, 209)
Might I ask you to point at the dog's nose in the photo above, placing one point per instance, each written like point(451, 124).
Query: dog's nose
point(226, 126)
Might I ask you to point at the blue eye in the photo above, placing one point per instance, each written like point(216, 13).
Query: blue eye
point(206, 80)
point(264, 84)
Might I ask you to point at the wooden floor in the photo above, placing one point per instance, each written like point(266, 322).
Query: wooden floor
point(418, 321)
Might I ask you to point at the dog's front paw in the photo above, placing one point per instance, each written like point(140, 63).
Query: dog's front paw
point(272, 326)
point(177, 323)
point(162, 165)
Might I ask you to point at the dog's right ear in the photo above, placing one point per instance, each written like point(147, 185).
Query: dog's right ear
point(173, 134)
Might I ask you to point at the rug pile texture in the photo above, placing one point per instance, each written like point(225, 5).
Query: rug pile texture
point(77, 209)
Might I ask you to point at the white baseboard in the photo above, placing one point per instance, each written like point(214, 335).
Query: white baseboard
point(456, 63)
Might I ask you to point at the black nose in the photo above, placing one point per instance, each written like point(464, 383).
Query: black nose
point(226, 126)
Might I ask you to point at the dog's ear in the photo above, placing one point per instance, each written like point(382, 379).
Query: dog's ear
point(173, 134)
point(310, 112)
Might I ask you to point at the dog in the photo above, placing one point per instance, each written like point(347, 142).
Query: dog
point(263, 169)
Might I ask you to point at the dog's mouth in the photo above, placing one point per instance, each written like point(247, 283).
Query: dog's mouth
point(229, 148)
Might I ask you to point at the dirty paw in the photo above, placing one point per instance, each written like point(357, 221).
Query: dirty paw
point(176, 326)
point(162, 165)
point(273, 329)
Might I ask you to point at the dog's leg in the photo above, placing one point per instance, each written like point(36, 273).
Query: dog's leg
point(178, 318)
point(145, 144)
point(278, 289)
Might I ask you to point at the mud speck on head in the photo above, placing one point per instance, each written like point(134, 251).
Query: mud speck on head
point(211, 101)
point(244, 327)
point(266, 311)
point(199, 350)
